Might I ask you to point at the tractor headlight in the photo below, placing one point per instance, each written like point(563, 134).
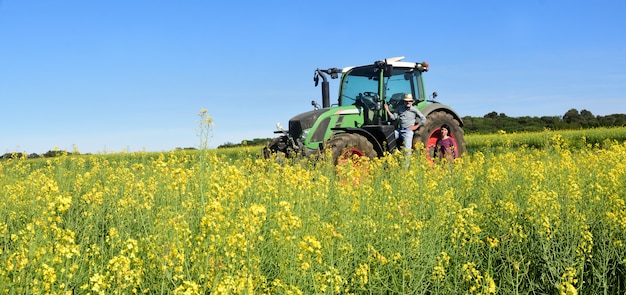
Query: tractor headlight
point(304, 134)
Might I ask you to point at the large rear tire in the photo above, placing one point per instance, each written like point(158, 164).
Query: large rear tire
point(345, 146)
point(430, 133)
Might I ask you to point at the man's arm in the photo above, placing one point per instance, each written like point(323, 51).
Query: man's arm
point(421, 117)
point(392, 116)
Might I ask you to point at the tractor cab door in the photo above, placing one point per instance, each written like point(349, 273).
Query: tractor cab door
point(403, 82)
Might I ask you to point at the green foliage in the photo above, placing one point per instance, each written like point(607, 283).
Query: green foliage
point(572, 119)
point(252, 142)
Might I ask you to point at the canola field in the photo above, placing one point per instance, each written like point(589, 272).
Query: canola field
point(541, 213)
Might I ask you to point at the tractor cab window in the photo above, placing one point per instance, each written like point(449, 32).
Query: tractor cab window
point(400, 83)
point(363, 83)
point(353, 87)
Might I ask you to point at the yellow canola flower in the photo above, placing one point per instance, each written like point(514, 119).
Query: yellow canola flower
point(188, 288)
point(439, 270)
point(64, 203)
point(479, 283)
point(224, 222)
point(362, 273)
point(568, 280)
point(492, 242)
point(377, 255)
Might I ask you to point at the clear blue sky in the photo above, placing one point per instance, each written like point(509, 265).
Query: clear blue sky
point(107, 76)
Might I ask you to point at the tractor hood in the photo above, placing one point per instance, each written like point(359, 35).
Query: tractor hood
point(304, 121)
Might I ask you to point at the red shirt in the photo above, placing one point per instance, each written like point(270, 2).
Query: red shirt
point(444, 145)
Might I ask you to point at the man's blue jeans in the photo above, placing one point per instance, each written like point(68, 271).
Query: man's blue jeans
point(406, 135)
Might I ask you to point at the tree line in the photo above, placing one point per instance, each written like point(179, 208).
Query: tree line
point(572, 119)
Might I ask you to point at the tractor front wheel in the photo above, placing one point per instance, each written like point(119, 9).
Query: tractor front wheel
point(279, 146)
point(346, 146)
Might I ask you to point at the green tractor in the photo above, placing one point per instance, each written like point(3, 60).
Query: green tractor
point(358, 123)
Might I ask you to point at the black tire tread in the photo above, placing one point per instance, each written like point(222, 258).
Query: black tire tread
point(339, 142)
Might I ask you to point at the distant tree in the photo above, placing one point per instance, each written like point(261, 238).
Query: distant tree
point(467, 120)
point(252, 142)
point(620, 119)
point(587, 115)
point(259, 141)
point(571, 116)
point(227, 145)
point(588, 120)
point(470, 123)
point(612, 120)
point(491, 115)
point(550, 122)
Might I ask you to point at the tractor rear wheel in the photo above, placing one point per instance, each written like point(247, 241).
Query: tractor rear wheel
point(430, 133)
point(345, 146)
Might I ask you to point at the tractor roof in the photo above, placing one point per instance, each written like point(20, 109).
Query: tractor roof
point(396, 62)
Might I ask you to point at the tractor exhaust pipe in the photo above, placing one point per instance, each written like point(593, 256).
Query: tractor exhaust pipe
point(325, 94)
point(325, 87)
point(334, 73)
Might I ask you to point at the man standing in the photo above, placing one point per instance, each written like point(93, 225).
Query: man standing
point(407, 116)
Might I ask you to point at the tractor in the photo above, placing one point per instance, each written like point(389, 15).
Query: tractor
point(358, 125)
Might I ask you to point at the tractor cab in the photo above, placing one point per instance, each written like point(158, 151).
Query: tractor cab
point(373, 85)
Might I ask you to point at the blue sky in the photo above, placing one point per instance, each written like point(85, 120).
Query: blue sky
point(109, 76)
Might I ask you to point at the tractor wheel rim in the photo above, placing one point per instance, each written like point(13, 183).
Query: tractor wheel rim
point(431, 143)
point(347, 155)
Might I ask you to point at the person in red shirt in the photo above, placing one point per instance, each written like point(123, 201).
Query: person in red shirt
point(445, 144)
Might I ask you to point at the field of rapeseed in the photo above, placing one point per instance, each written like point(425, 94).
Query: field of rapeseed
point(508, 219)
